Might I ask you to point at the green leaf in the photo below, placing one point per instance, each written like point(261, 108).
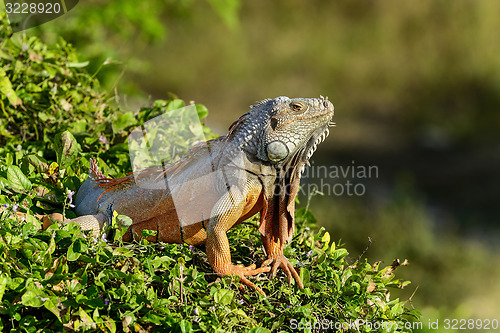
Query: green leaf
point(325, 239)
point(321, 259)
point(79, 126)
point(122, 251)
point(305, 215)
point(33, 298)
point(38, 162)
point(17, 179)
point(52, 246)
point(175, 104)
point(124, 220)
point(397, 309)
point(223, 296)
point(78, 64)
point(67, 149)
point(153, 318)
point(240, 312)
point(339, 254)
point(3, 284)
point(15, 283)
point(113, 274)
point(6, 89)
point(53, 167)
point(202, 111)
point(185, 326)
point(84, 316)
point(147, 233)
point(259, 330)
point(305, 276)
point(123, 121)
point(74, 251)
point(355, 287)
point(51, 305)
point(109, 324)
point(332, 248)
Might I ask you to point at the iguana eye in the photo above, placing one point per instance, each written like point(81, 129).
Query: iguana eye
point(297, 107)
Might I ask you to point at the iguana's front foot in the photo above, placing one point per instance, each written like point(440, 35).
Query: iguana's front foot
point(86, 222)
point(243, 272)
point(279, 260)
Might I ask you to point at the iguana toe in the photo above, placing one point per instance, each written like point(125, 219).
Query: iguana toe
point(283, 262)
point(243, 272)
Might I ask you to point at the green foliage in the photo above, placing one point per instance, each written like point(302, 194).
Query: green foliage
point(63, 278)
point(46, 89)
point(66, 278)
point(119, 21)
point(102, 30)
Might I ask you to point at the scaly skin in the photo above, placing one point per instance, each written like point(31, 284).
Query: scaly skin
point(255, 168)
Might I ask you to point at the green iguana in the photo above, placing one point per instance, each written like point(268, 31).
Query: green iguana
point(255, 168)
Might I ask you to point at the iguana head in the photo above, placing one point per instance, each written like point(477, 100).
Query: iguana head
point(294, 129)
point(281, 129)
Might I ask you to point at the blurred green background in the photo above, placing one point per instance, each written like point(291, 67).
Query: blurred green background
point(416, 87)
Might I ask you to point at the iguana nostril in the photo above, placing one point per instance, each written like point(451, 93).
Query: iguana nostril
point(327, 104)
point(277, 150)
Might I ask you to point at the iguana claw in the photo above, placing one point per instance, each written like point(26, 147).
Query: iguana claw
point(283, 262)
point(242, 272)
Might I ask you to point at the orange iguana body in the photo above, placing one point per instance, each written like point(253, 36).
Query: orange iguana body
point(255, 168)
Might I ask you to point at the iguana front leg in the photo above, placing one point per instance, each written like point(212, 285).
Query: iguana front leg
point(229, 209)
point(86, 222)
point(274, 229)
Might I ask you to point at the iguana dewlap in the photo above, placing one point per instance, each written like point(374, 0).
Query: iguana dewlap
point(255, 168)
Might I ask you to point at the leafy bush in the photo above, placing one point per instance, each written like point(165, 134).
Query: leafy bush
point(63, 278)
point(45, 90)
point(115, 23)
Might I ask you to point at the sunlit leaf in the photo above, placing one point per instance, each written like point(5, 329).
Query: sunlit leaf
point(67, 149)
point(6, 89)
point(17, 179)
point(34, 298)
point(52, 305)
point(223, 296)
point(3, 285)
point(326, 240)
point(123, 121)
point(78, 64)
point(185, 326)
